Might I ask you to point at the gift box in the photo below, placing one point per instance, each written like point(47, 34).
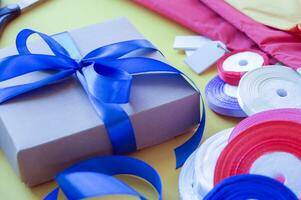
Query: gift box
point(49, 129)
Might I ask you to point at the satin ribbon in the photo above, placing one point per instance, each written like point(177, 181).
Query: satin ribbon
point(232, 66)
point(261, 145)
point(219, 101)
point(284, 114)
point(206, 158)
point(268, 88)
point(187, 186)
point(250, 187)
point(106, 76)
point(95, 178)
point(196, 177)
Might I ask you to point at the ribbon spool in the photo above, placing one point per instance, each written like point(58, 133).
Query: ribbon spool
point(232, 66)
point(284, 114)
point(250, 187)
point(196, 177)
point(206, 158)
point(269, 146)
point(222, 98)
point(187, 187)
point(269, 88)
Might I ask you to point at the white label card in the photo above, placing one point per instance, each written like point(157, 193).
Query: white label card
point(205, 56)
point(189, 42)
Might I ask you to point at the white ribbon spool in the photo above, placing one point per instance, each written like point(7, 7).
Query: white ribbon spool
point(187, 187)
point(268, 88)
point(206, 158)
point(196, 177)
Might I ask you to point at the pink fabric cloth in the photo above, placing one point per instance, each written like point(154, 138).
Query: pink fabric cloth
point(284, 46)
point(200, 19)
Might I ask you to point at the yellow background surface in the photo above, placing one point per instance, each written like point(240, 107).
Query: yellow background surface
point(54, 16)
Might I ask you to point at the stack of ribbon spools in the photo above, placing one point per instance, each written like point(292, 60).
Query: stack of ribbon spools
point(246, 84)
point(259, 159)
point(222, 91)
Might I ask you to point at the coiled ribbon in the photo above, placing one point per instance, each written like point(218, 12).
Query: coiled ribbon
point(196, 177)
point(269, 145)
point(232, 66)
point(106, 76)
point(219, 101)
point(268, 88)
point(284, 114)
point(206, 158)
point(250, 187)
point(187, 186)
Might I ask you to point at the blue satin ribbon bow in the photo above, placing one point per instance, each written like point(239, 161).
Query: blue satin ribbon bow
point(106, 76)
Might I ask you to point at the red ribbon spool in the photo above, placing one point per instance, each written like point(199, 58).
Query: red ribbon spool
point(243, 150)
point(262, 137)
point(232, 77)
point(284, 114)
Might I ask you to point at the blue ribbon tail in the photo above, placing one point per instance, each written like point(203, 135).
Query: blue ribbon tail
point(52, 195)
point(185, 150)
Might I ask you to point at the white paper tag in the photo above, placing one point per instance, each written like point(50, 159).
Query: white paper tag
point(205, 56)
point(189, 42)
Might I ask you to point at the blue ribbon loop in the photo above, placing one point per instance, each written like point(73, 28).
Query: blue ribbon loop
point(94, 178)
point(106, 76)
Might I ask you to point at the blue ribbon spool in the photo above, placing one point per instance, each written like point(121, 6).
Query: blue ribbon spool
point(250, 187)
point(106, 77)
point(220, 102)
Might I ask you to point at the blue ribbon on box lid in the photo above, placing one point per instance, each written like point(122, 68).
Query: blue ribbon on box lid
point(106, 76)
